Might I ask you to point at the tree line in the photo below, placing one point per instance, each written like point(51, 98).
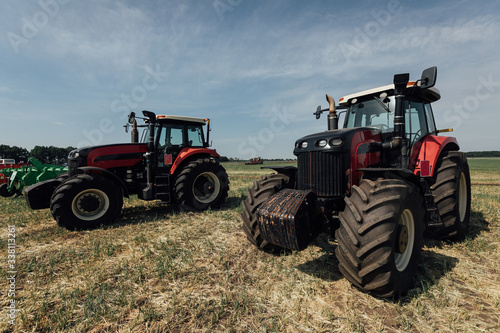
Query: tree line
point(50, 154)
point(490, 153)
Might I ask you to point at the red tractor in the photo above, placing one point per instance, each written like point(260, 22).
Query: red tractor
point(174, 166)
point(255, 160)
point(376, 184)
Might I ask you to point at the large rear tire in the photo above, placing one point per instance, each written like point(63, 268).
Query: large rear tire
point(86, 201)
point(452, 193)
point(202, 184)
point(380, 236)
point(257, 194)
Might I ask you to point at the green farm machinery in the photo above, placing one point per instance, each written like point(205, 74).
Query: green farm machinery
point(32, 173)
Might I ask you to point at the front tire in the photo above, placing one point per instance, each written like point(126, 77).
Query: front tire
point(380, 236)
point(202, 184)
point(452, 194)
point(261, 190)
point(86, 201)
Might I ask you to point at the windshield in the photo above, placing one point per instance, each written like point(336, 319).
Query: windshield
point(372, 113)
point(380, 114)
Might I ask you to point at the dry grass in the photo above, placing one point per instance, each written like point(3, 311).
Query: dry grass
point(157, 270)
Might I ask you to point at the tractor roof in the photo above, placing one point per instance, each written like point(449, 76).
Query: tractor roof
point(181, 119)
point(428, 94)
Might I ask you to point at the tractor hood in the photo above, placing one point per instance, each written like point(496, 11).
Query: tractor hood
point(107, 156)
point(336, 140)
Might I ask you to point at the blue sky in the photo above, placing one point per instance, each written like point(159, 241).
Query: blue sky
point(71, 70)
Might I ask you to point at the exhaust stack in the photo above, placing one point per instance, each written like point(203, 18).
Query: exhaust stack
point(333, 119)
point(134, 133)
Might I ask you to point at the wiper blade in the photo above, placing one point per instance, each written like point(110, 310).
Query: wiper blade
point(386, 107)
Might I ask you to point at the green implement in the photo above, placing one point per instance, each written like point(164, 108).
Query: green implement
point(30, 174)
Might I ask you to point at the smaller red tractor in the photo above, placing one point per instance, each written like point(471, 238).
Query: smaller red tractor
point(375, 185)
point(175, 166)
point(255, 160)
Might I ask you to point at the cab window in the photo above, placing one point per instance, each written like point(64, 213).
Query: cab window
point(171, 135)
point(372, 113)
point(430, 118)
point(415, 126)
point(194, 136)
point(380, 114)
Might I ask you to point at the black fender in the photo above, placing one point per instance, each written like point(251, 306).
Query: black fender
point(38, 195)
point(108, 174)
point(397, 173)
point(288, 170)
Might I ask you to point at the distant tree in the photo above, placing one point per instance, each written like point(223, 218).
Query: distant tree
point(483, 154)
point(223, 159)
point(51, 154)
point(15, 152)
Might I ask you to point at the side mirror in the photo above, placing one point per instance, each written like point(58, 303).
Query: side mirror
point(131, 117)
point(318, 112)
point(428, 77)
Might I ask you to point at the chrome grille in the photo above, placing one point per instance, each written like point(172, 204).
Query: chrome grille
point(321, 172)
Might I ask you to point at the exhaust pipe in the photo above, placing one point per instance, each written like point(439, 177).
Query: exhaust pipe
point(333, 119)
point(135, 133)
point(150, 157)
point(400, 82)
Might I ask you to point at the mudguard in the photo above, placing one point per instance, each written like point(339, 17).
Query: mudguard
point(38, 195)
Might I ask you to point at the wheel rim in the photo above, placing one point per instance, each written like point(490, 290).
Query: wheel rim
point(90, 204)
point(462, 197)
point(206, 187)
point(404, 240)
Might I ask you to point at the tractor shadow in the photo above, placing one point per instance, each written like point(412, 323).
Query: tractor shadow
point(233, 202)
point(478, 224)
point(433, 266)
point(326, 266)
point(143, 214)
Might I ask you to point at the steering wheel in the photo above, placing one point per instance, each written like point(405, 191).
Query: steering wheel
point(383, 128)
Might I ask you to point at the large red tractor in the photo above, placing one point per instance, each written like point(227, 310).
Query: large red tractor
point(174, 166)
point(376, 184)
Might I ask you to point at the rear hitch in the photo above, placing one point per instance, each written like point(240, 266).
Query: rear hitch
point(290, 219)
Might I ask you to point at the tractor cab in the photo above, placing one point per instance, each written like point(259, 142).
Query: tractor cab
point(376, 108)
point(169, 136)
point(176, 133)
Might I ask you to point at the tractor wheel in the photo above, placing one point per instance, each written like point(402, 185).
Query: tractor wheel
point(451, 190)
point(259, 193)
point(380, 236)
point(4, 191)
point(86, 201)
point(202, 184)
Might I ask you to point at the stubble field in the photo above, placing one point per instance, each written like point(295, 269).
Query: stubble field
point(158, 270)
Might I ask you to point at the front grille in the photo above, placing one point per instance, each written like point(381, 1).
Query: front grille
point(321, 172)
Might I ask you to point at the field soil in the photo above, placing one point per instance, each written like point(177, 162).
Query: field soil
point(158, 270)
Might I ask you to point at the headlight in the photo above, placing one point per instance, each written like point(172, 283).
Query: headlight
point(74, 154)
point(321, 143)
point(336, 141)
point(303, 144)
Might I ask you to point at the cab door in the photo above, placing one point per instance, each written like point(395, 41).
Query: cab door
point(169, 142)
